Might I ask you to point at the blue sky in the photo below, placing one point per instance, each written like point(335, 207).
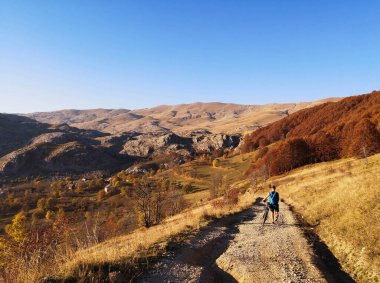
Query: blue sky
point(135, 54)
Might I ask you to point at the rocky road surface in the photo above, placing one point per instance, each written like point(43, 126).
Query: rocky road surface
point(239, 249)
point(270, 253)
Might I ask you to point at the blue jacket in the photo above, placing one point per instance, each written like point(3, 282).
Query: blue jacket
point(274, 198)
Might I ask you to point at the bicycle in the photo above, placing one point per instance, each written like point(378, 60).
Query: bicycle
point(279, 220)
point(265, 215)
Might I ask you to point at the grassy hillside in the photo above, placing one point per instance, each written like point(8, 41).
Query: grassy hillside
point(181, 119)
point(76, 231)
point(133, 251)
point(202, 175)
point(338, 198)
point(341, 198)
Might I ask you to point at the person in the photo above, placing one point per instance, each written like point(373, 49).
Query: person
point(274, 198)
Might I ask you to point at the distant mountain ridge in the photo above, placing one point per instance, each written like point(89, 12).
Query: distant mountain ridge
point(181, 119)
point(77, 141)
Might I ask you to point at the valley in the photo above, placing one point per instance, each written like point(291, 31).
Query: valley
point(189, 142)
point(104, 141)
point(145, 201)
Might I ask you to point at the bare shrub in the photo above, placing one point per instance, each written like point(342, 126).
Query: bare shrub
point(216, 184)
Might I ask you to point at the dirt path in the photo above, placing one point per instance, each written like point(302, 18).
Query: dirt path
point(270, 253)
point(239, 249)
point(195, 259)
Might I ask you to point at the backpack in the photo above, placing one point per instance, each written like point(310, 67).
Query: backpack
point(273, 197)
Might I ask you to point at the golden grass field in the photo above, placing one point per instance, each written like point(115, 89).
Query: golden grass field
point(339, 198)
point(146, 242)
point(200, 174)
point(342, 199)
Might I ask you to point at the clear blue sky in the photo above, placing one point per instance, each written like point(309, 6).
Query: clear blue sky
point(135, 54)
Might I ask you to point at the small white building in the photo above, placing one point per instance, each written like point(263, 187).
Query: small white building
point(107, 188)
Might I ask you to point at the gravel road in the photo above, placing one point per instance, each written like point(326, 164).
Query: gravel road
point(270, 253)
point(239, 249)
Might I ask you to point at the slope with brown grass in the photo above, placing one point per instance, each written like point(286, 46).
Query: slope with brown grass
point(145, 243)
point(182, 119)
point(340, 199)
point(350, 127)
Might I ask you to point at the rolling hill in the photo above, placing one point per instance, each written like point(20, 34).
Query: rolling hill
point(29, 147)
point(183, 119)
point(350, 127)
point(330, 197)
point(76, 141)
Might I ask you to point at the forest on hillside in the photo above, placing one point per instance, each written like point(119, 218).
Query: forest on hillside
point(347, 128)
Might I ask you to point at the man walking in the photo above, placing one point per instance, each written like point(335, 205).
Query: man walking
point(274, 198)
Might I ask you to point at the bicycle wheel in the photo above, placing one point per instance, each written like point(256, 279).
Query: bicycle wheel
point(265, 215)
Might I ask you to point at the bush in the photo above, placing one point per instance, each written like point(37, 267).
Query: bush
point(26, 255)
point(188, 188)
point(231, 197)
point(49, 215)
point(41, 204)
point(101, 195)
point(215, 163)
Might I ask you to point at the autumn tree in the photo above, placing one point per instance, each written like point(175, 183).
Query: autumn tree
point(349, 127)
point(174, 202)
point(41, 204)
point(144, 198)
point(49, 215)
point(365, 139)
point(27, 253)
point(215, 163)
point(13, 245)
point(216, 184)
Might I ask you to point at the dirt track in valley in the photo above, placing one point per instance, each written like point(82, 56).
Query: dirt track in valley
point(239, 249)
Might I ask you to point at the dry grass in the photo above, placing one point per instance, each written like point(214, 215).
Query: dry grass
point(226, 121)
point(147, 242)
point(342, 199)
point(232, 169)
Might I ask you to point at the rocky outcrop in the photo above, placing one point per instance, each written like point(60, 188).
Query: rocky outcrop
point(152, 144)
point(215, 141)
point(32, 148)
